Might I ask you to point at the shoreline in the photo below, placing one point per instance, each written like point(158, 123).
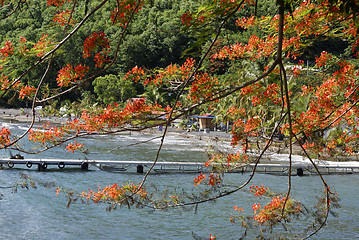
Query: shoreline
point(25, 116)
point(278, 147)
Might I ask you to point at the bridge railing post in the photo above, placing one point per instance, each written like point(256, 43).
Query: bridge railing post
point(140, 168)
point(84, 166)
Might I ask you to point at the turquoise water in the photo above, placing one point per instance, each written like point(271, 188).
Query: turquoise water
point(38, 214)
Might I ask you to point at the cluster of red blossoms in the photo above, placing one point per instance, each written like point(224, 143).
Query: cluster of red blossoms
point(6, 50)
point(63, 17)
point(70, 74)
point(272, 212)
point(74, 146)
point(115, 193)
point(57, 3)
point(42, 45)
point(135, 74)
point(26, 91)
point(214, 179)
point(277, 209)
point(4, 136)
point(124, 10)
point(97, 42)
point(258, 190)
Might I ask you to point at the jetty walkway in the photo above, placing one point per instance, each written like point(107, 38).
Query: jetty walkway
point(298, 168)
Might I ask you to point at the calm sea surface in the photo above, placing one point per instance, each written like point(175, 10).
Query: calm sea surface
point(38, 214)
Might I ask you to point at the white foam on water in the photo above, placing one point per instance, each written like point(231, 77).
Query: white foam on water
point(10, 125)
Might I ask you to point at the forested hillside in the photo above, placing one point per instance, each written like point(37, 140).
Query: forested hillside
point(281, 74)
point(153, 39)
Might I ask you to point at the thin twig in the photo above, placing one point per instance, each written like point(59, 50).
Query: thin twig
point(241, 186)
point(62, 42)
point(183, 87)
point(78, 83)
point(71, 13)
point(11, 13)
point(34, 103)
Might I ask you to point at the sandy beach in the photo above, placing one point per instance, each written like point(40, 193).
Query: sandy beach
point(14, 112)
point(213, 138)
point(25, 115)
point(278, 147)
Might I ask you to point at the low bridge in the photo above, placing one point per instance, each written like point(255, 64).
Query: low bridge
point(298, 168)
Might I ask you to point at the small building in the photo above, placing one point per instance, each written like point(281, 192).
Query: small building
point(206, 122)
point(135, 100)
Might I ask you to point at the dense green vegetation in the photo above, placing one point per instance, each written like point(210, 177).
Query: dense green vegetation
point(263, 76)
point(154, 39)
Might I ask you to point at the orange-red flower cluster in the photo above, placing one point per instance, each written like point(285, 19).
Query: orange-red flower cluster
point(4, 82)
point(203, 87)
point(254, 49)
point(214, 179)
point(22, 47)
point(299, 25)
point(135, 74)
point(70, 74)
point(247, 22)
point(4, 136)
point(57, 3)
point(273, 210)
point(6, 50)
point(124, 10)
point(241, 130)
point(172, 74)
point(236, 158)
point(238, 209)
point(47, 134)
point(258, 190)
point(199, 179)
point(97, 42)
point(212, 237)
point(327, 98)
point(110, 117)
point(62, 17)
point(115, 193)
point(186, 18)
point(74, 146)
point(261, 94)
point(42, 45)
point(323, 59)
point(26, 91)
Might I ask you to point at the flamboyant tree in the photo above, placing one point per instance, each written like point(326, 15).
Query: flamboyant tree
point(263, 83)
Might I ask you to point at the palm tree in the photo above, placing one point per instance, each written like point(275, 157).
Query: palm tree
point(153, 95)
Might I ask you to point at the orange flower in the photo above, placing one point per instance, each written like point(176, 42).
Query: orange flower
point(199, 179)
point(238, 209)
point(57, 191)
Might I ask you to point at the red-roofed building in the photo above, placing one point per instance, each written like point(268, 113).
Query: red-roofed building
point(135, 99)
